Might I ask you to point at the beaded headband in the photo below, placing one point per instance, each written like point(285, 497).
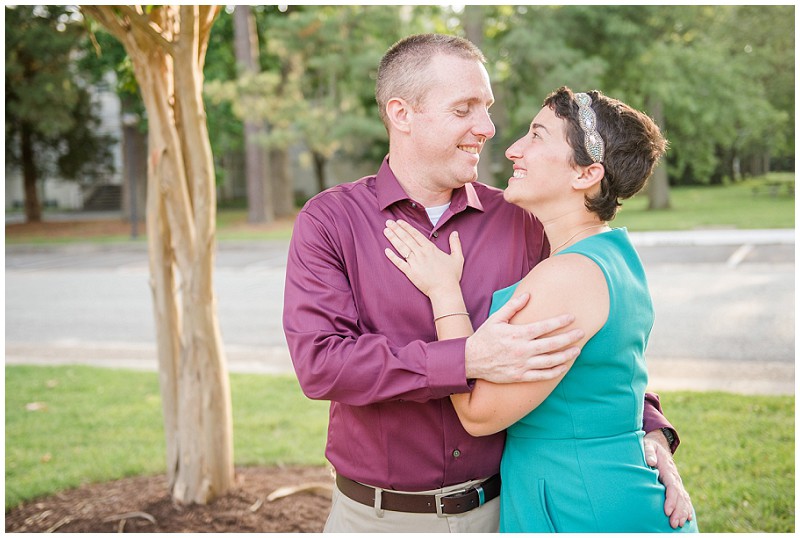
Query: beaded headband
point(588, 121)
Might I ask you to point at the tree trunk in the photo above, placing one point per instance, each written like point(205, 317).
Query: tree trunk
point(181, 209)
point(259, 200)
point(473, 21)
point(658, 190)
point(33, 207)
point(765, 162)
point(319, 170)
point(134, 163)
point(282, 191)
point(718, 175)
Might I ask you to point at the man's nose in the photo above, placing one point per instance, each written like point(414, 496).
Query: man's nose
point(485, 127)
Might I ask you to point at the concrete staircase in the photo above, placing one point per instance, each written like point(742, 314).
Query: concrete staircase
point(103, 197)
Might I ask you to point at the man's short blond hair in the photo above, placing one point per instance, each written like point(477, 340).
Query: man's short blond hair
point(401, 72)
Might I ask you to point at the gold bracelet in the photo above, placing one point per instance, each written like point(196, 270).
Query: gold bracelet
point(448, 315)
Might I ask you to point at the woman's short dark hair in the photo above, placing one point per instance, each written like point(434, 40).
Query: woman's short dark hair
point(633, 146)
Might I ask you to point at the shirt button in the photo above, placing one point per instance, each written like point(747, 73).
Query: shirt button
point(456, 453)
point(435, 234)
point(414, 205)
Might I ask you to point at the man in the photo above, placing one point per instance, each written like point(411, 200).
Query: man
point(362, 336)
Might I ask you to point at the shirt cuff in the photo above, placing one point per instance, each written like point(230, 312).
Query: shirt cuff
point(447, 372)
point(654, 418)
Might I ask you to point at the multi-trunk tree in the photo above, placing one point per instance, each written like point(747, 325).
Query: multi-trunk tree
point(167, 47)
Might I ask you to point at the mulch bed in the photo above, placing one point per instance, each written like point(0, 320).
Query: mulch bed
point(71, 229)
point(99, 228)
point(143, 504)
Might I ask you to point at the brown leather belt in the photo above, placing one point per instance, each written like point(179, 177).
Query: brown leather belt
point(455, 502)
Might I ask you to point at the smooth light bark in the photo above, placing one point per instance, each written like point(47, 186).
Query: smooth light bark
point(167, 46)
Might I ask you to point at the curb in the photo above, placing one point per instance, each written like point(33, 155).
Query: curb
point(784, 236)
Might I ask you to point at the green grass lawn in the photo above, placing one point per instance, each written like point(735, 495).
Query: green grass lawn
point(730, 206)
point(98, 424)
point(736, 459)
point(66, 426)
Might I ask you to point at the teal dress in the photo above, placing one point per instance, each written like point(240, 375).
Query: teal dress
point(576, 463)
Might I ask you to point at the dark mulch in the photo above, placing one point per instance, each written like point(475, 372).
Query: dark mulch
point(143, 504)
point(70, 229)
point(93, 229)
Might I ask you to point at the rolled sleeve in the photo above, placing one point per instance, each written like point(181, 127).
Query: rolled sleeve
point(654, 418)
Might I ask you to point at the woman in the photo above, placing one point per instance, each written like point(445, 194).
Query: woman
point(573, 460)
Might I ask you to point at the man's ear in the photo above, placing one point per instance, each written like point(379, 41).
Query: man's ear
point(589, 176)
point(399, 112)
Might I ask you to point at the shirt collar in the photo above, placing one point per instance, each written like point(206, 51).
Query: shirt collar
point(390, 191)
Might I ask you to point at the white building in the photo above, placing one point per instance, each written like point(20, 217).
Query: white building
point(61, 193)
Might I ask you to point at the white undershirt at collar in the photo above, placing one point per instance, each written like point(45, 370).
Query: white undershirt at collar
point(435, 213)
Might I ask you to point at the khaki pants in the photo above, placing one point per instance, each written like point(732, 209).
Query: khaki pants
point(348, 515)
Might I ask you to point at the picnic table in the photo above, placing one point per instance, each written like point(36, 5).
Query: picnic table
point(774, 187)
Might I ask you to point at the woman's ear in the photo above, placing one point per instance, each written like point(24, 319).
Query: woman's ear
point(589, 176)
point(399, 113)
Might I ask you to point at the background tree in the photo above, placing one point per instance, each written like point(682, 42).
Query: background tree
point(318, 87)
point(721, 76)
point(686, 64)
point(255, 132)
point(473, 19)
point(103, 55)
point(230, 105)
point(763, 46)
point(167, 47)
point(51, 125)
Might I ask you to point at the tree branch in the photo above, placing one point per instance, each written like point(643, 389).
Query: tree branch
point(108, 20)
point(147, 27)
point(121, 24)
point(207, 16)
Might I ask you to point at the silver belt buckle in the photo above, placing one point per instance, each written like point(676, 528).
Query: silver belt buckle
point(438, 500)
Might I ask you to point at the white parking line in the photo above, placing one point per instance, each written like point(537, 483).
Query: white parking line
point(739, 256)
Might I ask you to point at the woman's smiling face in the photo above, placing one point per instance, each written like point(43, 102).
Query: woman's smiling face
point(543, 162)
